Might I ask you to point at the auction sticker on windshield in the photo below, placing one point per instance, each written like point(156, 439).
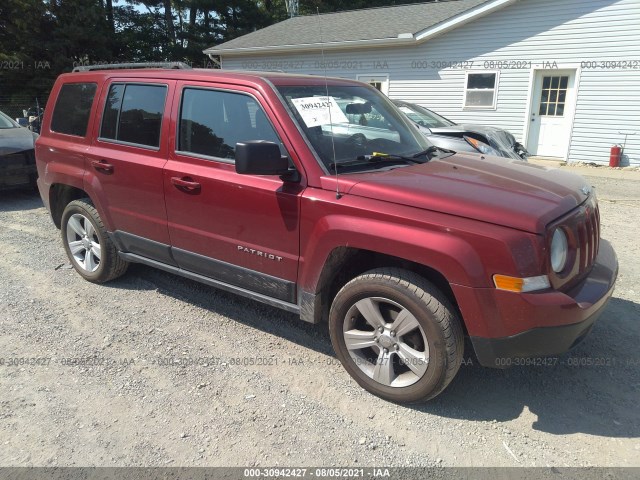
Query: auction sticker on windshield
point(319, 111)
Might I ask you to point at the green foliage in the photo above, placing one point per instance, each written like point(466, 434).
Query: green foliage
point(39, 39)
point(308, 7)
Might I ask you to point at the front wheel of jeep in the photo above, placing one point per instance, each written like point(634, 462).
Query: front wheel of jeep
point(88, 246)
point(396, 334)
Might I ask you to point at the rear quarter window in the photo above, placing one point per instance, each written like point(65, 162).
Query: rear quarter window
point(73, 108)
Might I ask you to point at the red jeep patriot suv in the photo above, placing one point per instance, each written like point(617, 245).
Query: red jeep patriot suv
point(319, 197)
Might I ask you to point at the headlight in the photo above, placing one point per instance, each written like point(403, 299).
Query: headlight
point(482, 147)
point(559, 250)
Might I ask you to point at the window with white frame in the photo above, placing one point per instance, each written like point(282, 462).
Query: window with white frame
point(481, 90)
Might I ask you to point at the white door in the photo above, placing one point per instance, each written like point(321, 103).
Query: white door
point(381, 82)
point(553, 101)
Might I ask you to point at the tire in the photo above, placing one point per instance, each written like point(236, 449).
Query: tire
point(415, 325)
point(88, 246)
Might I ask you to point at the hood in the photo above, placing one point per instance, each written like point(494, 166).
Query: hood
point(498, 135)
point(459, 130)
point(500, 139)
point(453, 130)
point(494, 190)
point(481, 128)
point(14, 140)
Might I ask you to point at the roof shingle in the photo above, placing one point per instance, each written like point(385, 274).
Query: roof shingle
point(353, 25)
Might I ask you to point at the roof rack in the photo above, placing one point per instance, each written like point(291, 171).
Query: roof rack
point(132, 66)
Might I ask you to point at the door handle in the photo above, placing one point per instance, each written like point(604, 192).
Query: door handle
point(102, 165)
point(186, 184)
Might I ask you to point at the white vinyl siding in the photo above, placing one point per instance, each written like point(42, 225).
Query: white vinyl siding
point(545, 33)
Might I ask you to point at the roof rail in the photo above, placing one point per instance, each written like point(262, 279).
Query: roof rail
point(131, 66)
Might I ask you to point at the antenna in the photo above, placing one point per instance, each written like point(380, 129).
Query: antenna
point(326, 87)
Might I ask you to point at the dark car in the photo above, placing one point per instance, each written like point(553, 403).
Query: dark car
point(468, 138)
point(17, 159)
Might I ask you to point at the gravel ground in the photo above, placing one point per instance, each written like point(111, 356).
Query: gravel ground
point(186, 375)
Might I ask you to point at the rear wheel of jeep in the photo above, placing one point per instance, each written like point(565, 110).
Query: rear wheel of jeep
point(396, 334)
point(91, 252)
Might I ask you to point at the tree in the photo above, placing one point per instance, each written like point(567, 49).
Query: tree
point(44, 38)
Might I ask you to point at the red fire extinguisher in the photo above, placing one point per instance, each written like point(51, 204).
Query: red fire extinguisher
point(615, 156)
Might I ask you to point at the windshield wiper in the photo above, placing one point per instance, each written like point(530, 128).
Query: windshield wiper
point(378, 158)
point(429, 152)
point(374, 160)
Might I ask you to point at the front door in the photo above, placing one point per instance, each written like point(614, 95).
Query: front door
point(552, 106)
point(242, 230)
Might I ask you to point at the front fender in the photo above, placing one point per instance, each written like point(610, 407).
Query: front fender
point(464, 251)
point(438, 249)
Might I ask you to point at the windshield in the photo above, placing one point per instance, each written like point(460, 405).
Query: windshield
point(423, 116)
point(354, 121)
point(6, 122)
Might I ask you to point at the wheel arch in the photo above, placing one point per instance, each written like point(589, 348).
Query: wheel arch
point(345, 263)
point(60, 195)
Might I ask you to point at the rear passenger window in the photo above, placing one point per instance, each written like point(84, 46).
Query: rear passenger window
point(212, 122)
point(133, 114)
point(73, 107)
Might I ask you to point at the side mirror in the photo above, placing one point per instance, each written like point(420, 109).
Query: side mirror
point(259, 157)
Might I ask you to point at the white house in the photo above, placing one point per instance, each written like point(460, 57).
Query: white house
point(562, 76)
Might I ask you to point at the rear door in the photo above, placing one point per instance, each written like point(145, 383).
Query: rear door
point(125, 163)
point(239, 229)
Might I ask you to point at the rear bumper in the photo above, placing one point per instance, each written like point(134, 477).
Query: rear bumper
point(552, 322)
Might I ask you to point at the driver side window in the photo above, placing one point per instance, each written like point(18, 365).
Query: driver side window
point(213, 121)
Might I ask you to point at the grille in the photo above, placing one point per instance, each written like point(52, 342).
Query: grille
point(17, 169)
point(588, 230)
point(583, 228)
point(19, 159)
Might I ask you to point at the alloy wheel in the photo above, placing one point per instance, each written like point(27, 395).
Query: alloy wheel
point(386, 341)
point(84, 243)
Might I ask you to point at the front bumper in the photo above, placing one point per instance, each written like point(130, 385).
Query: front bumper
point(550, 323)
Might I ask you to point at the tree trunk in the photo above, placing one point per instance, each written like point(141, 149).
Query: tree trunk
point(109, 9)
point(168, 17)
point(193, 14)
